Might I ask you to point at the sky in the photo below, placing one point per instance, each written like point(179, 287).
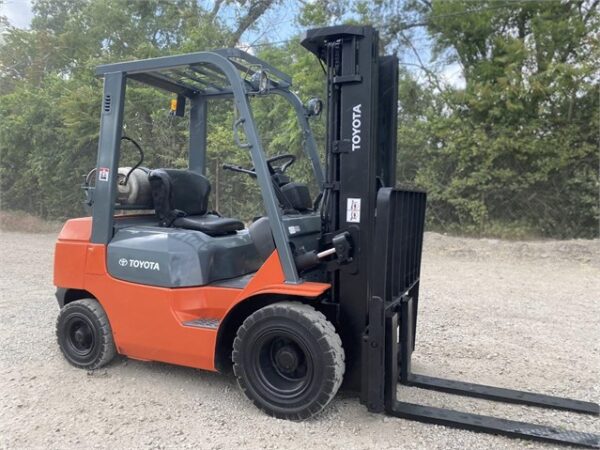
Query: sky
point(18, 12)
point(278, 24)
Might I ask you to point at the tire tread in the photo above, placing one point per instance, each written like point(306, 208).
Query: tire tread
point(327, 338)
point(108, 350)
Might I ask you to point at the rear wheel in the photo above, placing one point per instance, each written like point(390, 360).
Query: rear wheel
point(288, 360)
point(84, 334)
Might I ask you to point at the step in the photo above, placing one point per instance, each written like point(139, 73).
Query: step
point(203, 322)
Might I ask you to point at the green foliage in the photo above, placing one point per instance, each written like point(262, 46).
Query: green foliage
point(50, 101)
point(512, 152)
point(517, 147)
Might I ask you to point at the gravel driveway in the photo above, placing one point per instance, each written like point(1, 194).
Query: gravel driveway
point(512, 314)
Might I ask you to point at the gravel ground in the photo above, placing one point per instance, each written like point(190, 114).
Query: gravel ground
point(512, 314)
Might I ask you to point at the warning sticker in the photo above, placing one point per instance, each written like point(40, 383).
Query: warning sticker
point(103, 173)
point(353, 210)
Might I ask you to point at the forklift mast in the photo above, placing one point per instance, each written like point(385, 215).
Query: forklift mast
point(362, 98)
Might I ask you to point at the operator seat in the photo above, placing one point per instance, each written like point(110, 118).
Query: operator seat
point(181, 200)
point(298, 196)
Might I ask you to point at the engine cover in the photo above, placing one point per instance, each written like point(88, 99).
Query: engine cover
point(172, 257)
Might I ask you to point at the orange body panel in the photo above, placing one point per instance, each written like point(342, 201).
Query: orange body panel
point(147, 321)
point(270, 280)
point(76, 230)
point(70, 252)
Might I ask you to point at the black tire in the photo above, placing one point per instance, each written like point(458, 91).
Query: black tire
point(84, 334)
point(288, 360)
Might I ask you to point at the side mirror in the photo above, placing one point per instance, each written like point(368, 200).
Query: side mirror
point(314, 107)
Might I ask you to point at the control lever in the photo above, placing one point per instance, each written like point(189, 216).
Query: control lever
point(240, 169)
point(341, 248)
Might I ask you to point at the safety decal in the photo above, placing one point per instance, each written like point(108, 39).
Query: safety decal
point(353, 210)
point(103, 173)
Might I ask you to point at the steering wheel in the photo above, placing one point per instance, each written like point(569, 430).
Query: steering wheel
point(276, 174)
point(289, 160)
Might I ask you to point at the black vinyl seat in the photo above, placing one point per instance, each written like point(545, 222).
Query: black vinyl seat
point(298, 196)
point(209, 224)
point(181, 200)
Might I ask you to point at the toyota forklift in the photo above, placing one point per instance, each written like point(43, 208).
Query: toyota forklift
point(322, 291)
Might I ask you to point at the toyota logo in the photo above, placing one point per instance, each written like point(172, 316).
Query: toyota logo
point(123, 262)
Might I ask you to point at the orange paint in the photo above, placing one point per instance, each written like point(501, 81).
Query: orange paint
point(147, 321)
point(270, 280)
point(79, 229)
point(70, 252)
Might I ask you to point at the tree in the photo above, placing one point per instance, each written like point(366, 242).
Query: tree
point(50, 99)
point(517, 148)
point(511, 151)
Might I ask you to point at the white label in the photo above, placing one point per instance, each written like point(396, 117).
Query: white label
point(353, 210)
point(139, 264)
point(294, 229)
point(103, 173)
point(356, 131)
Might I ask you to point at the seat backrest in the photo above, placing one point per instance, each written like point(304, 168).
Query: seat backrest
point(298, 196)
point(177, 191)
point(262, 236)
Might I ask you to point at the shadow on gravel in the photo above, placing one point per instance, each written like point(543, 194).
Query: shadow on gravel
point(124, 366)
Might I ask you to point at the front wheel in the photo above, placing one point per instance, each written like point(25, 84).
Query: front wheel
point(84, 334)
point(288, 360)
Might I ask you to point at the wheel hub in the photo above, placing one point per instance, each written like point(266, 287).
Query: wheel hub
point(81, 336)
point(287, 359)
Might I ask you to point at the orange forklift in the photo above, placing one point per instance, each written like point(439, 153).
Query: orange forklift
point(322, 291)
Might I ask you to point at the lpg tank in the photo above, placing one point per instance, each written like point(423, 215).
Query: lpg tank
point(134, 190)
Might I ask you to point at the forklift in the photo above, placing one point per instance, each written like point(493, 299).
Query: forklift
point(321, 292)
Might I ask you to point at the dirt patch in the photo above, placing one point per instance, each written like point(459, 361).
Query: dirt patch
point(26, 223)
point(521, 315)
point(575, 250)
